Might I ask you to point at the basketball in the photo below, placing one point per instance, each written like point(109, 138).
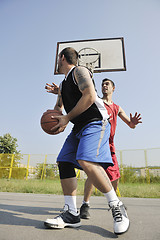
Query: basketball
point(47, 122)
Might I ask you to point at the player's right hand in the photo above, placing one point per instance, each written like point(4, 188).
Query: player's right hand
point(62, 124)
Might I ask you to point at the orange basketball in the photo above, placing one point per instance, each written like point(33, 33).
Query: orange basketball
point(47, 122)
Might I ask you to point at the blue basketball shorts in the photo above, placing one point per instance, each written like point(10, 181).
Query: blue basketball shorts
point(90, 144)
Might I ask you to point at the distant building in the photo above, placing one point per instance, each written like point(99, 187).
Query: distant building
point(155, 172)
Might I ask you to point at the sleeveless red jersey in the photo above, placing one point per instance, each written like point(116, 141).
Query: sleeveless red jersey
point(113, 110)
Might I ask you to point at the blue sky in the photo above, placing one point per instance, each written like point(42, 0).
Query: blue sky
point(30, 30)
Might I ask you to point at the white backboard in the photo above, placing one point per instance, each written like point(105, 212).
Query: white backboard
point(108, 53)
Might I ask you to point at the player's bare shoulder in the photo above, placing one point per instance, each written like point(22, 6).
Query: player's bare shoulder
point(83, 77)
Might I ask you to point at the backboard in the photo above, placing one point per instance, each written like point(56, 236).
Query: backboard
point(100, 55)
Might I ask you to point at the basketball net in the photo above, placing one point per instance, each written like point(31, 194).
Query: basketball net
point(89, 57)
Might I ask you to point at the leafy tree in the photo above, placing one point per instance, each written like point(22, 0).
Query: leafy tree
point(8, 147)
point(8, 144)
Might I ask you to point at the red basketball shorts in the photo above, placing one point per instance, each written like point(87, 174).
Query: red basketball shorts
point(113, 171)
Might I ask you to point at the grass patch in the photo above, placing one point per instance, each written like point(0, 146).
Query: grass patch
point(138, 190)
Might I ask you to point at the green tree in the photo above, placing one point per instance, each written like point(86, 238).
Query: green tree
point(8, 147)
point(8, 144)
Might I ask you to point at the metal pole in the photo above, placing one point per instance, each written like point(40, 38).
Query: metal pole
point(11, 166)
point(121, 166)
point(27, 166)
point(147, 170)
point(44, 166)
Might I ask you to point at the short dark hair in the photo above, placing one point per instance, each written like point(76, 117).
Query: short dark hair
point(70, 54)
point(107, 79)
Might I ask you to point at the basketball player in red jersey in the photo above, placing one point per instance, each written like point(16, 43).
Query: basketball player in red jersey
point(114, 110)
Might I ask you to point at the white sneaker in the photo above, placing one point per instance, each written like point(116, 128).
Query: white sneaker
point(65, 219)
point(121, 220)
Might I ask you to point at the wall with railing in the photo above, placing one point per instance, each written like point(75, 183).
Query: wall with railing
point(144, 162)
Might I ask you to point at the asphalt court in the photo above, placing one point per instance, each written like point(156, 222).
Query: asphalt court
point(22, 217)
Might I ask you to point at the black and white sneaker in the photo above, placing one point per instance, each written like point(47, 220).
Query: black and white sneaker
point(84, 211)
point(121, 220)
point(65, 219)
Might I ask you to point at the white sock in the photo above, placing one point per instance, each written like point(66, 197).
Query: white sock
point(111, 197)
point(85, 202)
point(71, 202)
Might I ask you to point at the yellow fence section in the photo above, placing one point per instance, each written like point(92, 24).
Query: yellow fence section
point(144, 162)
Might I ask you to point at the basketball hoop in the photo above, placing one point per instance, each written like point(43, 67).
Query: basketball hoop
point(89, 57)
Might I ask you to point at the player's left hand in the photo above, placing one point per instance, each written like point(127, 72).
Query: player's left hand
point(136, 119)
point(52, 88)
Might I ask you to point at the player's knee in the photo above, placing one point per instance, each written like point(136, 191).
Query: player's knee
point(84, 164)
point(66, 170)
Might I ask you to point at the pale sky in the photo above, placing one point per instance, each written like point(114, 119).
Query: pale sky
point(29, 32)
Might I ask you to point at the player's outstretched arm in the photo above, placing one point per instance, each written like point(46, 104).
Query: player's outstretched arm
point(132, 121)
point(52, 88)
